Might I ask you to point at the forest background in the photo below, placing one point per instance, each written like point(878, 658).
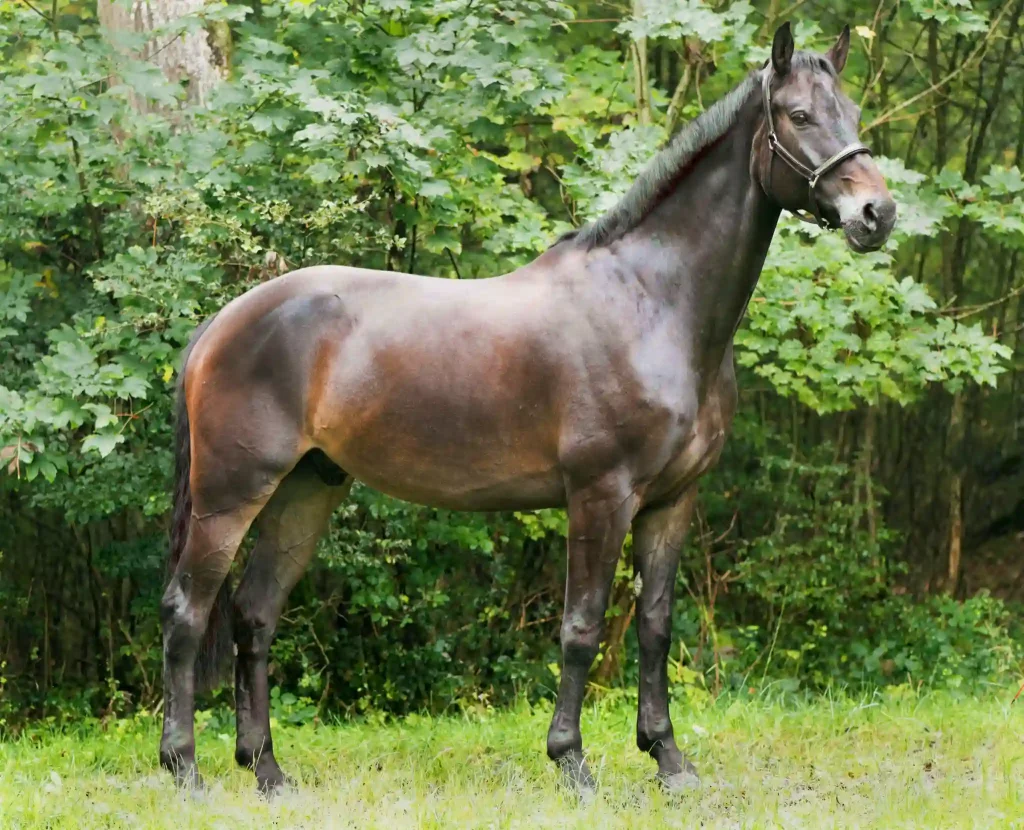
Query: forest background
point(865, 525)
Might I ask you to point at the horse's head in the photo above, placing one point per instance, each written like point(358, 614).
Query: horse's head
point(807, 154)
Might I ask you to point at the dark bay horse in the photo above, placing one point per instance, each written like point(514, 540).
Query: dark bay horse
point(599, 378)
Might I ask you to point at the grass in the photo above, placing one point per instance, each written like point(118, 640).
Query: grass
point(887, 762)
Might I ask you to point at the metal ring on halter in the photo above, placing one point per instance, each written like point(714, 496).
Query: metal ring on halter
point(812, 175)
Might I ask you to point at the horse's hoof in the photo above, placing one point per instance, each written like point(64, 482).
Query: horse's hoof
point(198, 795)
point(577, 778)
point(680, 782)
point(276, 786)
point(586, 796)
point(191, 783)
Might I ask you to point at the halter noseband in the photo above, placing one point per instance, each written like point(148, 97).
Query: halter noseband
point(813, 176)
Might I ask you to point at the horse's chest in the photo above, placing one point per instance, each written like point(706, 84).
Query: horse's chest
point(697, 448)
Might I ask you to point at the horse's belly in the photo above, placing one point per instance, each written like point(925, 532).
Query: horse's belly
point(453, 474)
point(456, 491)
point(444, 447)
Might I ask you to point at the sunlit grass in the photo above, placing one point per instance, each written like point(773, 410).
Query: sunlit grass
point(929, 762)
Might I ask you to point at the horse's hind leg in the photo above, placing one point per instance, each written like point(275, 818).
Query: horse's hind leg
point(236, 464)
point(213, 540)
point(289, 528)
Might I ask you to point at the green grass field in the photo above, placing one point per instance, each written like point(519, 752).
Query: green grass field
point(929, 762)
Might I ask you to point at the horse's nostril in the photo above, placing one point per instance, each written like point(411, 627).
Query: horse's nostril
point(871, 216)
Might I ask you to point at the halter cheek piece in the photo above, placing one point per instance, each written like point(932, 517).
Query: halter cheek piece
point(775, 148)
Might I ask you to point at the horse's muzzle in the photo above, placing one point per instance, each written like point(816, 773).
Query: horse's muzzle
point(869, 227)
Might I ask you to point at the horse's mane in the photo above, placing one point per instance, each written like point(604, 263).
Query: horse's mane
point(664, 171)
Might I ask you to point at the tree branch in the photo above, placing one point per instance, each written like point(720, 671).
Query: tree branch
point(979, 51)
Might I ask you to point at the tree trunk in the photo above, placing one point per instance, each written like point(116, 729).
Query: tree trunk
point(867, 463)
point(623, 601)
point(956, 484)
point(198, 59)
point(641, 79)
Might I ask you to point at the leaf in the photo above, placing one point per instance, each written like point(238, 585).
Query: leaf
point(270, 121)
point(103, 443)
point(518, 161)
point(104, 416)
point(316, 134)
point(132, 386)
point(1004, 180)
point(48, 470)
point(443, 240)
point(323, 171)
point(72, 358)
point(434, 188)
point(678, 19)
point(149, 81)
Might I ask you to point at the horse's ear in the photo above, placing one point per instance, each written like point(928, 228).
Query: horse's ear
point(782, 49)
point(840, 49)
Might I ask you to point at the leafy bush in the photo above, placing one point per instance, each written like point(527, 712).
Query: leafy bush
point(410, 607)
point(806, 588)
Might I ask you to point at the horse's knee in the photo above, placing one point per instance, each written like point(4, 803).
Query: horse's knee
point(581, 640)
point(172, 603)
point(654, 630)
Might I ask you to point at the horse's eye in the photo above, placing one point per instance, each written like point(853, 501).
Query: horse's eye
point(799, 117)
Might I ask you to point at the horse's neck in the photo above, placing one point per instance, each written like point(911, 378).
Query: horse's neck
point(703, 247)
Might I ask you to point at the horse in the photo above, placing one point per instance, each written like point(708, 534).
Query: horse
point(598, 378)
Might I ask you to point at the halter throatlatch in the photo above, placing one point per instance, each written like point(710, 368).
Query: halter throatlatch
point(813, 176)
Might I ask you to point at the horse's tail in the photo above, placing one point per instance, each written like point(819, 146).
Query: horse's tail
point(217, 645)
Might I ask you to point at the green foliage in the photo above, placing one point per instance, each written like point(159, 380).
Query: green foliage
point(679, 19)
point(424, 606)
point(813, 583)
point(836, 329)
point(128, 230)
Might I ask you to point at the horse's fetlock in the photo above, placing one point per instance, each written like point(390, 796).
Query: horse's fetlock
point(176, 759)
point(655, 733)
point(562, 741)
point(246, 756)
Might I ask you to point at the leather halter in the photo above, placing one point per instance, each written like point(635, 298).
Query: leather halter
point(812, 175)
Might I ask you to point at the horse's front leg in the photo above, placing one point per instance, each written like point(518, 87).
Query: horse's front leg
point(658, 535)
point(599, 518)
